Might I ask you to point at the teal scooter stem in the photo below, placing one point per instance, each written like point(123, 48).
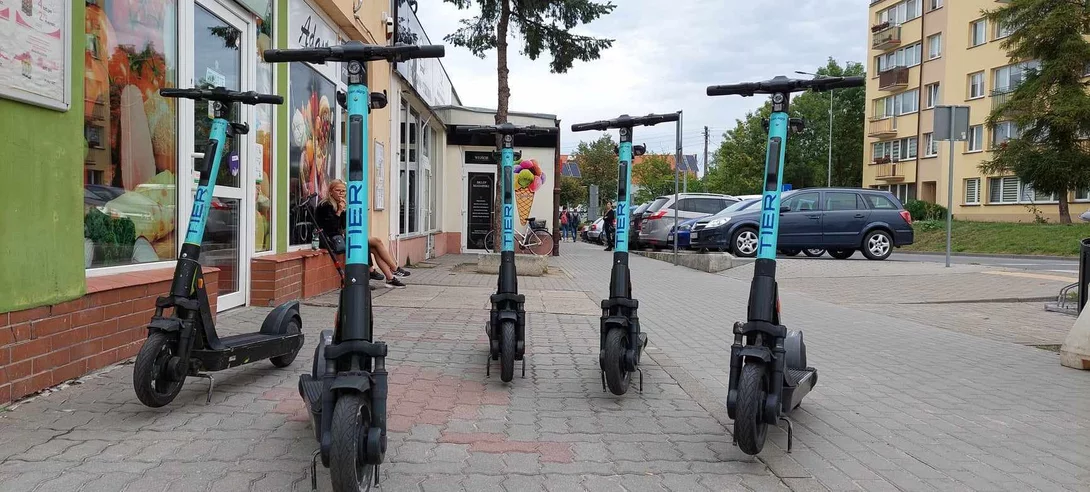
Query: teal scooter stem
point(506, 327)
point(622, 342)
point(768, 371)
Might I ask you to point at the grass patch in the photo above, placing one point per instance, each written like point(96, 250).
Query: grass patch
point(1000, 238)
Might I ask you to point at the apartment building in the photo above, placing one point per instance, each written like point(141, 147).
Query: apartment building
point(925, 53)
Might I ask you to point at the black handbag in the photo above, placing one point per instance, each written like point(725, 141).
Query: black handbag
point(337, 243)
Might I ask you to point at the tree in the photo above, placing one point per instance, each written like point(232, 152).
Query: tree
point(539, 26)
point(739, 162)
point(572, 191)
point(654, 176)
point(598, 166)
point(1051, 106)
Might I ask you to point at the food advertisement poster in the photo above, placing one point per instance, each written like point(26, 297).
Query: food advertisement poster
point(34, 37)
point(312, 150)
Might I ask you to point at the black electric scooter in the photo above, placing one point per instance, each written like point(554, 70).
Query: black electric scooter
point(622, 342)
point(506, 326)
point(768, 371)
point(346, 391)
point(185, 343)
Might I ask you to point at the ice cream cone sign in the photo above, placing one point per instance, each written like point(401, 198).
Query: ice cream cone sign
point(528, 179)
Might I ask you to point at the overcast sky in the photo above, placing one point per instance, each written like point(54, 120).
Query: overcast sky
point(664, 55)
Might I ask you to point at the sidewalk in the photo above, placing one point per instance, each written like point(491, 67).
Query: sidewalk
point(451, 427)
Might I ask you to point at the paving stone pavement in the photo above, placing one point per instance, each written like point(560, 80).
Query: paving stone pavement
point(451, 427)
point(900, 405)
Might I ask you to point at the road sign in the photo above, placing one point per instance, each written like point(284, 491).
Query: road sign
point(943, 123)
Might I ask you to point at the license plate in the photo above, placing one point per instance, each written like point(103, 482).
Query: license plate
point(693, 236)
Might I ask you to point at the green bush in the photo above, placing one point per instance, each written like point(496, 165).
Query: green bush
point(114, 237)
point(930, 225)
point(921, 210)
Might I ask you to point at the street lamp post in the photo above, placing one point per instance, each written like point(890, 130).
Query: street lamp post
point(829, 169)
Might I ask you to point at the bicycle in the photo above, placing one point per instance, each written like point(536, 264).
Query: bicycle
point(768, 371)
point(536, 241)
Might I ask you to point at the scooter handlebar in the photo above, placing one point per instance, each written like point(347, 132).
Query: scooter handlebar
point(356, 50)
point(313, 55)
point(596, 125)
point(222, 95)
point(784, 84)
point(508, 129)
point(625, 121)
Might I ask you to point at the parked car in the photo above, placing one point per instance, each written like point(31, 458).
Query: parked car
point(840, 220)
point(659, 216)
point(683, 234)
point(634, 222)
point(593, 232)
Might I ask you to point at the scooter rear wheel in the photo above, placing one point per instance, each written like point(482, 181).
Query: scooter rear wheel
point(617, 379)
point(351, 420)
point(750, 428)
point(508, 339)
point(153, 385)
point(286, 359)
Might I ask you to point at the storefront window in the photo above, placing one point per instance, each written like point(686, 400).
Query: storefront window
point(409, 171)
point(130, 175)
point(313, 147)
point(263, 115)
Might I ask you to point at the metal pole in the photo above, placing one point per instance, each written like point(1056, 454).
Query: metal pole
point(705, 151)
point(829, 179)
point(677, 173)
point(950, 189)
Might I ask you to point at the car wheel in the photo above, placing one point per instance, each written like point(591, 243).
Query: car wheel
point(814, 252)
point(877, 245)
point(790, 251)
point(841, 254)
point(744, 242)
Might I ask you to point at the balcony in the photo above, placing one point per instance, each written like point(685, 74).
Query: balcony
point(882, 127)
point(888, 171)
point(1000, 96)
point(893, 79)
point(886, 38)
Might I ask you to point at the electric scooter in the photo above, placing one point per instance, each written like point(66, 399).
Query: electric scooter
point(345, 393)
point(185, 343)
point(622, 342)
point(506, 326)
point(768, 372)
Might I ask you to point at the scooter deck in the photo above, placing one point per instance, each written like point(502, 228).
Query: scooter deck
point(797, 383)
point(246, 347)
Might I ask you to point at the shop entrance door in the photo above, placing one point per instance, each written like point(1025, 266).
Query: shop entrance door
point(221, 54)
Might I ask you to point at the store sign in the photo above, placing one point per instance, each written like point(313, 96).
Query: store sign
point(478, 157)
point(426, 75)
point(306, 29)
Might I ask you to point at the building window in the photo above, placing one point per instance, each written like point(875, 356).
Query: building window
point(972, 191)
point(1010, 189)
point(882, 150)
point(934, 46)
point(904, 192)
point(931, 146)
point(906, 102)
point(909, 56)
point(934, 4)
point(976, 138)
point(313, 148)
point(1086, 70)
point(1082, 195)
point(1003, 131)
point(1008, 78)
point(1003, 30)
point(978, 33)
point(883, 107)
point(931, 97)
point(901, 12)
point(908, 148)
point(263, 115)
point(130, 164)
point(410, 166)
point(976, 85)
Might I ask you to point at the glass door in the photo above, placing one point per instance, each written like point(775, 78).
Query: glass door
point(222, 55)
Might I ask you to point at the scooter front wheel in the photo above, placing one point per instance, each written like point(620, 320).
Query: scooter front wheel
point(154, 385)
point(508, 340)
point(617, 378)
point(750, 428)
point(351, 421)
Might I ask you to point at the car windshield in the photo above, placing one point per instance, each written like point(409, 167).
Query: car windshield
point(737, 207)
point(657, 204)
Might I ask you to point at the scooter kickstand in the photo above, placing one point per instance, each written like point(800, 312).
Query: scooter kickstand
point(641, 378)
point(488, 366)
point(603, 380)
point(211, 384)
point(785, 419)
point(523, 367)
point(314, 470)
point(376, 472)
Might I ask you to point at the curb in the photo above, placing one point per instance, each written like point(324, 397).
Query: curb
point(986, 255)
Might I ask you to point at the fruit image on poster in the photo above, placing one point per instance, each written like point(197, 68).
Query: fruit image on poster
point(129, 160)
point(528, 179)
point(312, 151)
point(33, 65)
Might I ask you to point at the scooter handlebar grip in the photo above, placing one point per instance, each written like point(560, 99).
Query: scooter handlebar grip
point(267, 99)
point(845, 82)
point(597, 125)
point(429, 51)
point(744, 89)
point(315, 55)
point(185, 93)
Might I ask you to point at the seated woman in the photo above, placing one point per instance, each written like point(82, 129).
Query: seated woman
point(330, 216)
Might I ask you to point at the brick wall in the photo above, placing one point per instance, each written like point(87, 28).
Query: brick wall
point(49, 345)
point(290, 276)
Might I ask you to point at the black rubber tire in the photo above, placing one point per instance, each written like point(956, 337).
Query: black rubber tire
point(841, 254)
point(351, 419)
point(152, 389)
point(734, 243)
point(750, 429)
point(790, 251)
point(286, 359)
point(880, 234)
point(814, 252)
point(617, 379)
point(508, 340)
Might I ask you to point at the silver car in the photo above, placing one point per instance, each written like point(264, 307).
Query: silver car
point(658, 218)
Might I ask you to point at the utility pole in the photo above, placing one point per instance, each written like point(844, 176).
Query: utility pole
point(706, 151)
